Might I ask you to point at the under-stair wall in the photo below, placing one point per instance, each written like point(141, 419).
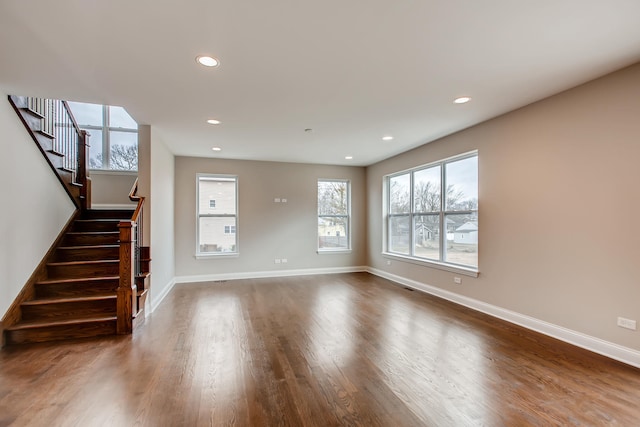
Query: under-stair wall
point(24, 236)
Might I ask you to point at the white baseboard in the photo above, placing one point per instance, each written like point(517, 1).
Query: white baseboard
point(263, 274)
point(156, 300)
point(596, 345)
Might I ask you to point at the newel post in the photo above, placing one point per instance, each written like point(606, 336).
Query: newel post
point(83, 161)
point(127, 288)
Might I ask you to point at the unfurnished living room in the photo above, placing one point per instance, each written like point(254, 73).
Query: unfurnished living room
point(337, 213)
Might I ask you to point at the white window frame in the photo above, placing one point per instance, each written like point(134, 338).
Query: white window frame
point(200, 254)
point(442, 213)
point(106, 130)
point(346, 216)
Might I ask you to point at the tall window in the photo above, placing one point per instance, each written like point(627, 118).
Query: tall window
point(432, 212)
point(114, 136)
point(334, 210)
point(218, 221)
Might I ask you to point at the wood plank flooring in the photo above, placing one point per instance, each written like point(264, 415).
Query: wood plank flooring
point(326, 350)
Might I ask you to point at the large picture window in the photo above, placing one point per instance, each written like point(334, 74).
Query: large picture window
point(114, 136)
point(217, 222)
point(334, 207)
point(432, 212)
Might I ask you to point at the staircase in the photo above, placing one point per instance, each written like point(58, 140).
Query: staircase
point(78, 296)
point(93, 280)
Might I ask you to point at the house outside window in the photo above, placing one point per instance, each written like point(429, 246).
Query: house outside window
point(432, 212)
point(114, 136)
point(217, 226)
point(334, 215)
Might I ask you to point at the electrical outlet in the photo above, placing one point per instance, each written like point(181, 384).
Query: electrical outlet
point(276, 200)
point(388, 262)
point(457, 280)
point(284, 260)
point(277, 261)
point(627, 323)
point(284, 200)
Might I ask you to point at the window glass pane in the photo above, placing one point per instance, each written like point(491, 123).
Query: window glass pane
point(119, 118)
point(95, 149)
point(212, 236)
point(332, 233)
point(123, 151)
point(399, 190)
point(332, 198)
point(426, 190)
point(220, 189)
point(462, 184)
point(399, 234)
point(86, 114)
point(462, 239)
point(427, 236)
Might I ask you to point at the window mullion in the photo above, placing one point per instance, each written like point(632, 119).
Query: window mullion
point(106, 143)
point(443, 217)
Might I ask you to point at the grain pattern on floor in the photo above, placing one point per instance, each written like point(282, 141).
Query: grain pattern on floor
point(326, 350)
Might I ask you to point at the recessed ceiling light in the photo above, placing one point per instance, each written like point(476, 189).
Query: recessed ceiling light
point(213, 122)
point(207, 61)
point(348, 157)
point(387, 138)
point(217, 149)
point(462, 100)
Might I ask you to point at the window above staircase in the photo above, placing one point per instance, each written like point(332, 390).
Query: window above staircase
point(114, 136)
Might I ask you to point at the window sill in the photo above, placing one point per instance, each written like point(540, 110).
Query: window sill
point(434, 264)
point(218, 255)
point(112, 172)
point(333, 251)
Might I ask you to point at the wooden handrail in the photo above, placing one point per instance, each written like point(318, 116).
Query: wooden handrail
point(130, 264)
point(133, 196)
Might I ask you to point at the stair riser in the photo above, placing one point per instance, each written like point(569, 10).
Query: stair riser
point(108, 214)
point(61, 332)
point(69, 310)
point(90, 239)
point(81, 270)
point(75, 289)
point(96, 225)
point(87, 254)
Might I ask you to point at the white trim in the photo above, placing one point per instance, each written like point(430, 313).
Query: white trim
point(263, 274)
point(452, 268)
point(112, 172)
point(596, 345)
point(157, 300)
point(98, 206)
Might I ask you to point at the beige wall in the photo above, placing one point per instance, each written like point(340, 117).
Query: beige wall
point(35, 206)
point(559, 197)
point(160, 190)
point(267, 230)
point(111, 188)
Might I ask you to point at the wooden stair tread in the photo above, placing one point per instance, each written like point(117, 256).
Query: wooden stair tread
point(85, 247)
point(49, 323)
point(92, 232)
point(68, 263)
point(77, 280)
point(58, 300)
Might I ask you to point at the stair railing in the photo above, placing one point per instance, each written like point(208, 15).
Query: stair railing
point(69, 144)
point(130, 264)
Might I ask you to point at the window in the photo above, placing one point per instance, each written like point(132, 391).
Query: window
point(217, 224)
point(334, 210)
point(114, 136)
point(432, 212)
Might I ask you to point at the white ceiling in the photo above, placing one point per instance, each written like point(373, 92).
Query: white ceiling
point(352, 70)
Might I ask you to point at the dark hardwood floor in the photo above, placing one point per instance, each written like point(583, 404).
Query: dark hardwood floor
point(328, 350)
